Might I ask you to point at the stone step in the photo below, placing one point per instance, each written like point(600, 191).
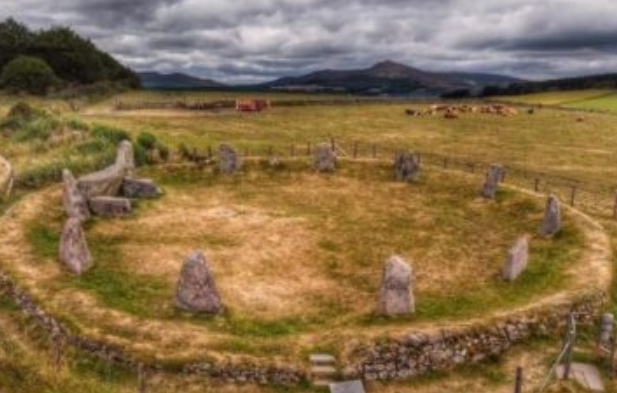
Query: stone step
point(323, 371)
point(322, 359)
point(322, 383)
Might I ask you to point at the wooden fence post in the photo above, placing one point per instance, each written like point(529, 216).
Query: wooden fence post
point(308, 149)
point(209, 151)
point(615, 207)
point(573, 196)
point(141, 378)
point(536, 185)
point(292, 150)
point(333, 143)
point(445, 163)
point(374, 151)
point(611, 357)
point(355, 150)
point(518, 380)
point(270, 151)
point(570, 337)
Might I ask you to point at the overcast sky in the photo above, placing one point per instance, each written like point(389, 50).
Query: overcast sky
point(255, 40)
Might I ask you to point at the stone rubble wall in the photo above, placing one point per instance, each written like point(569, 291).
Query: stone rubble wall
point(395, 358)
point(418, 353)
point(6, 178)
point(229, 372)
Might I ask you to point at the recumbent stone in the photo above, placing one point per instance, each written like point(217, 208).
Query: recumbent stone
point(110, 206)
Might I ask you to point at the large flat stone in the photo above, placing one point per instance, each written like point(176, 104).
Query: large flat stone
point(108, 182)
point(110, 206)
point(347, 387)
point(140, 188)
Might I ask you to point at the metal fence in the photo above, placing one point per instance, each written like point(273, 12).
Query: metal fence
point(595, 198)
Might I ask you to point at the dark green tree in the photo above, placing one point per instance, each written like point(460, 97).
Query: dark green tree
point(15, 40)
point(27, 74)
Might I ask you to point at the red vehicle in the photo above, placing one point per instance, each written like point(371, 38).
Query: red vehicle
point(252, 105)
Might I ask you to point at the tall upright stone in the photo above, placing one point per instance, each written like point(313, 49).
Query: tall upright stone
point(517, 259)
point(607, 327)
point(7, 178)
point(229, 159)
point(493, 177)
point(196, 291)
point(406, 166)
point(396, 293)
point(75, 203)
point(73, 250)
point(324, 158)
point(125, 158)
point(551, 223)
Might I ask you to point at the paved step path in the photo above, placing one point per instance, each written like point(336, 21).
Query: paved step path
point(323, 369)
point(587, 375)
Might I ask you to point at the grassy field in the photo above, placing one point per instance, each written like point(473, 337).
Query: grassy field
point(549, 141)
point(600, 100)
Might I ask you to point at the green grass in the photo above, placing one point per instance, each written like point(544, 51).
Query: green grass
point(602, 100)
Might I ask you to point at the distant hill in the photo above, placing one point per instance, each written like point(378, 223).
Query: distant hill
point(388, 77)
point(179, 81)
point(604, 81)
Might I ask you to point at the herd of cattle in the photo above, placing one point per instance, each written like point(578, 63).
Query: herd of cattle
point(454, 111)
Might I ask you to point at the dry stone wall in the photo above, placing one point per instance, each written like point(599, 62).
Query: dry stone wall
point(418, 353)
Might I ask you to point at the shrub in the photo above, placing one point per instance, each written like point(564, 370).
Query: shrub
point(147, 140)
point(20, 114)
point(28, 74)
point(111, 134)
point(141, 155)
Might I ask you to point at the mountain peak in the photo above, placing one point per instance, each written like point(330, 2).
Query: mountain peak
point(392, 69)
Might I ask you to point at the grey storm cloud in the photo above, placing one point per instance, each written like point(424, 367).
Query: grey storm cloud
point(249, 41)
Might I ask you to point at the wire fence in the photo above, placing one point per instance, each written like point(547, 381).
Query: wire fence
point(594, 198)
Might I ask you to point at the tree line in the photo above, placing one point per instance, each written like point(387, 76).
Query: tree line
point(57, 57)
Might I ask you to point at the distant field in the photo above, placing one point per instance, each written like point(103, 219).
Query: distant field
point(604, 100)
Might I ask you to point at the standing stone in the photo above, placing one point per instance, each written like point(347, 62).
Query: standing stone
point(551, 223)
point(7, 178)
point(607, 326)
point(492, 180)
point(324, 158)
point(517, 259)
point(395, 295)
point(125, 158)
point(74, 252)
point(406, 166)
point(196, 291)
point(229, 160)
point(75, 204)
